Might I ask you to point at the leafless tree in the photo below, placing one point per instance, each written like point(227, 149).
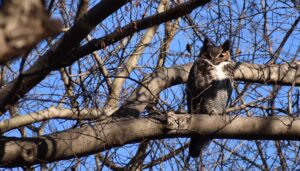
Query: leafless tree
point(100, 85)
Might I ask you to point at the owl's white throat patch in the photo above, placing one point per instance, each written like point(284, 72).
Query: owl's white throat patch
point(220, 71)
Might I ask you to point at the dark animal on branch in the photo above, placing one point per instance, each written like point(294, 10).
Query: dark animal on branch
point(209, 86)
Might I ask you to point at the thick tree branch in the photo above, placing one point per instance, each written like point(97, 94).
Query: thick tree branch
point(51, 60)
point(152, 85)
point(117, 132)
point(172, 13)
point(22, 25)
point(156, 82)
point(68, 51)
point(285, 74)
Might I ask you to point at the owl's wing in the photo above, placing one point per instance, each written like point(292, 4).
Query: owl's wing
point(229, 91)
point(189, 86)
point(200, 68)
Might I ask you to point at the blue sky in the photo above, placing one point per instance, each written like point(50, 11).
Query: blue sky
point(251, 44)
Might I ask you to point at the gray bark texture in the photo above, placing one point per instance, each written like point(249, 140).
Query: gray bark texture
point(111, 130)
point(117, 132)
point(22, 25)
point(285, 74)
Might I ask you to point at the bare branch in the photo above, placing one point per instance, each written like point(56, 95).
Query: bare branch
point(136, 162)
point(51, 60)
point(240, 156)
point(105, 135)
point(170, 30)
point(135, 26)
point(167, 156)
point(51, 113)
point(111, 104)
point(158, 81)
point(285, 74)
point(23, 25)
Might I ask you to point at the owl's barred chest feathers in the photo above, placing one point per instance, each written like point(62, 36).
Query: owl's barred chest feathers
point(203, 74)
point(210, 81)
point(209, 87)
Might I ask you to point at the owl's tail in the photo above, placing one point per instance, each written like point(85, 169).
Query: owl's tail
point(197, 145)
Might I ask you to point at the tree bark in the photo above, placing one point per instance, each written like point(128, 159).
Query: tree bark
point(53, 59)
point(68, 50)
point(22, 25)
point(117, 132)
point(153, 84)
point(163, 78)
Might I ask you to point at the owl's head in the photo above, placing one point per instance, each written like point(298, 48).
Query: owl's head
point(215, 54)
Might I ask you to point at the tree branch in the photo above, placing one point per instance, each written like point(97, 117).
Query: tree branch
point(50, 113)
point(23, 25)
point(163, 78)
point(111, 104)
point(68, 51)
point(51, 59)
point(135, 26)
point(118, 132)
point(153, 84)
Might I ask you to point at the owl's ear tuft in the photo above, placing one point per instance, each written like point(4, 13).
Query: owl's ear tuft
point(207, 42)
point(226, 45)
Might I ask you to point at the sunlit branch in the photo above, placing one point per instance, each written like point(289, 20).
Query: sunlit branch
point(118, 132)
point(285, 74)
point(23, 25)
point(52, 59)
point(50, 113)
point(158, 81)
point(112, 102)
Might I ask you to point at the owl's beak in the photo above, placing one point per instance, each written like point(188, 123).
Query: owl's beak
point(226, 58)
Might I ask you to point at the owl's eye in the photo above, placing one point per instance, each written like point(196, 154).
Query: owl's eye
point(223, 55)
point(206, 55)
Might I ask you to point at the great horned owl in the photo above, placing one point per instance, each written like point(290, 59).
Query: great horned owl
point(209, 86)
